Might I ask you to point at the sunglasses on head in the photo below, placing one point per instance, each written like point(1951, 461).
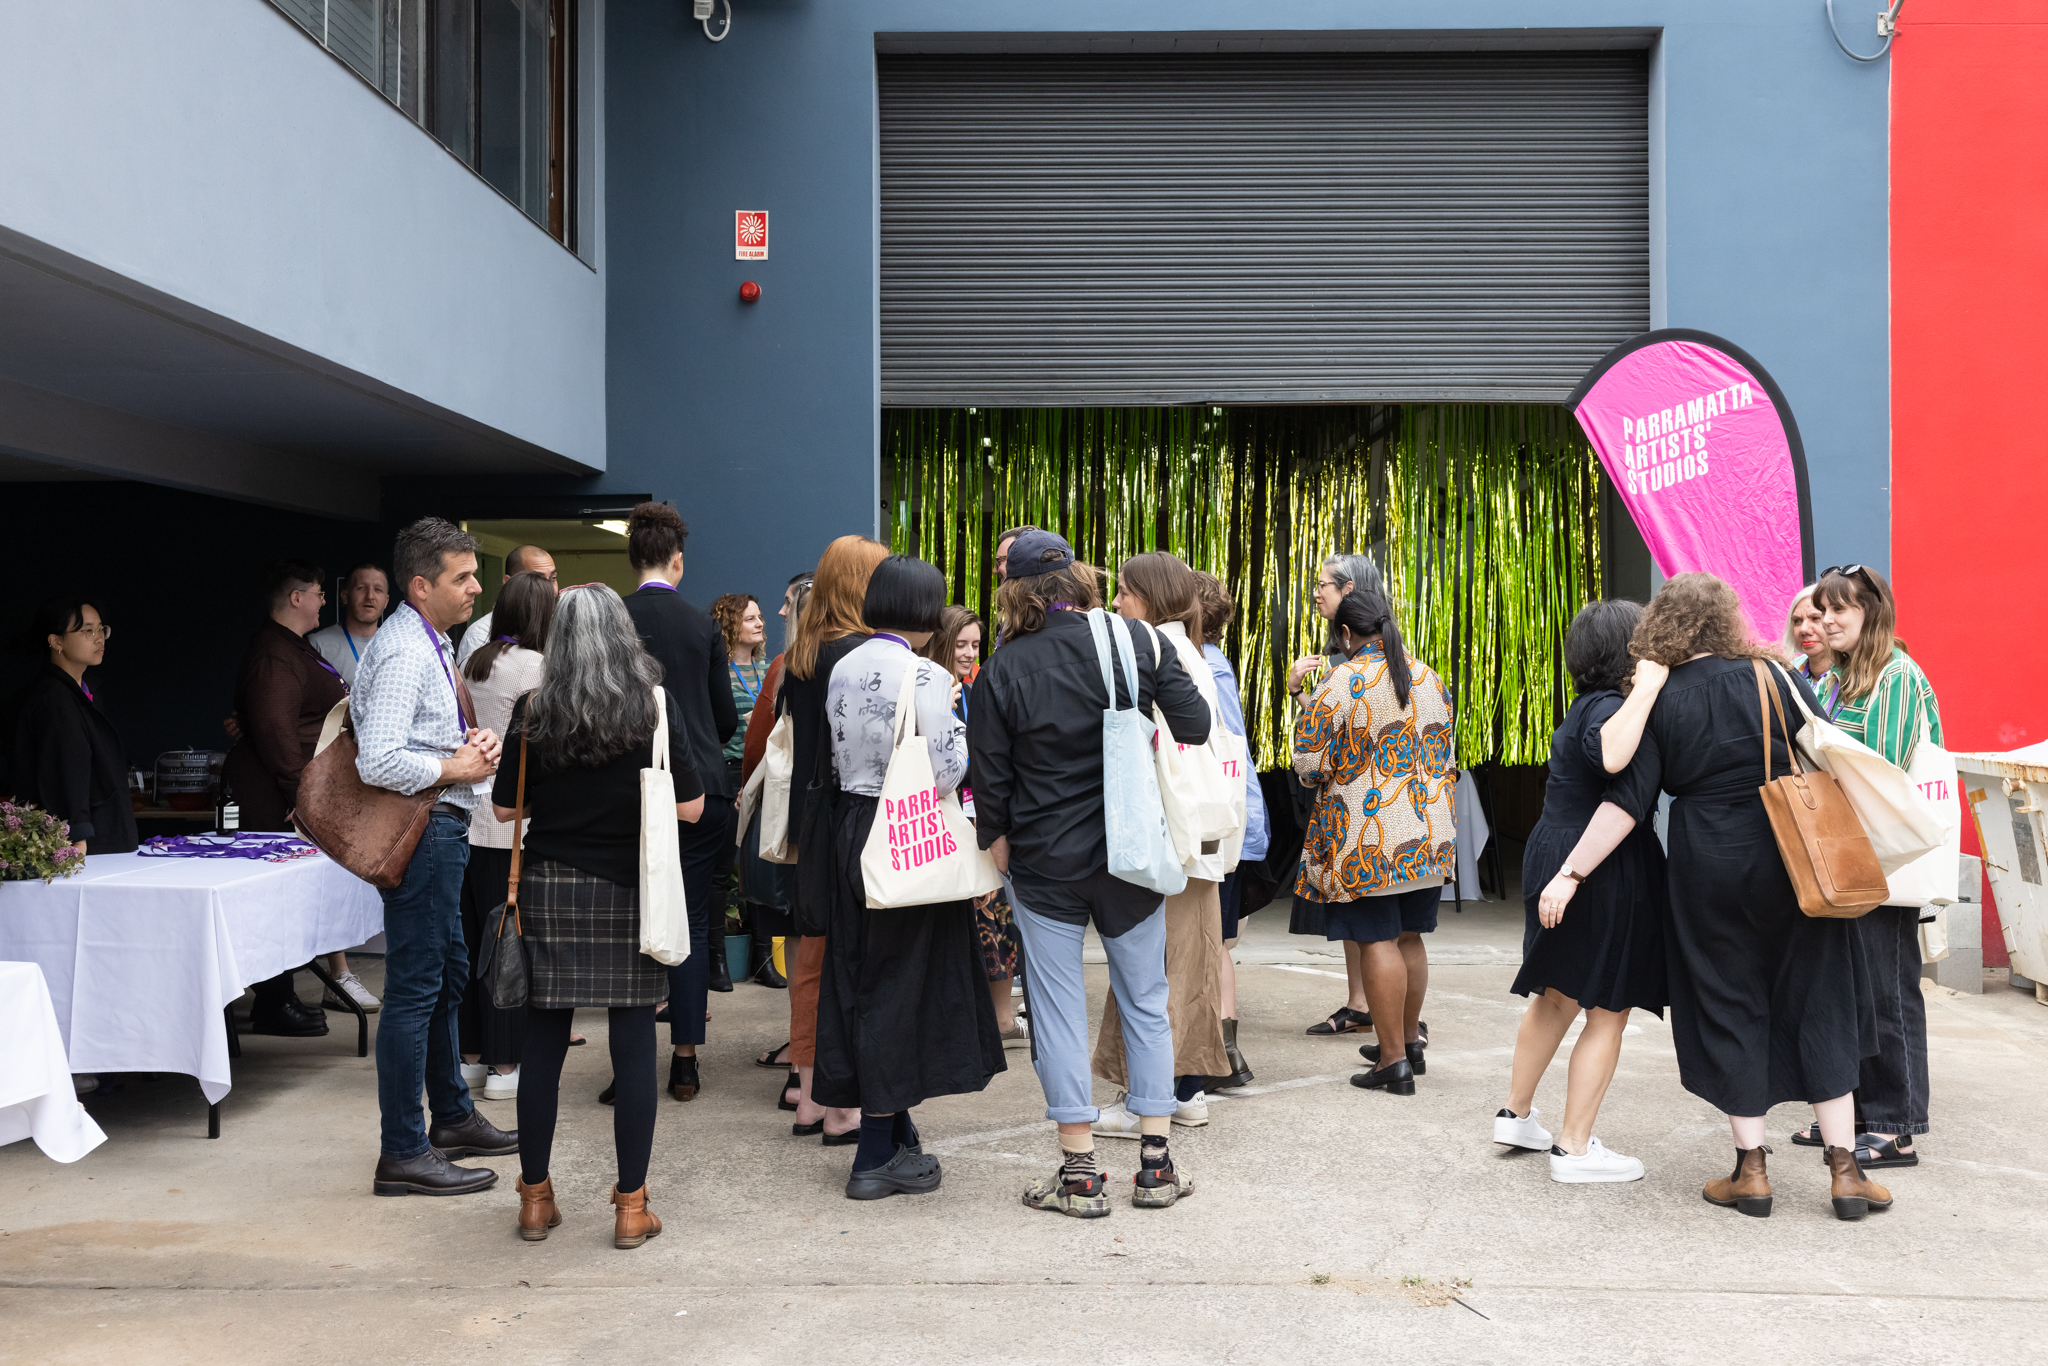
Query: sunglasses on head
point(1855, 571)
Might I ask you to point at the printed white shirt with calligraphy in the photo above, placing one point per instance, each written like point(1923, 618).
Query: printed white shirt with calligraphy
point(860, 708)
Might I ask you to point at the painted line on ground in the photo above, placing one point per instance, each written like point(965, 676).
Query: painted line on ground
point(1985, 1167)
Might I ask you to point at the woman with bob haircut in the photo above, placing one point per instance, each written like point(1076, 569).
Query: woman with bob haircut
point(1806, 644)
point(1036, 732)
point(827, 630)
point(1159, 589)
point(582, 738)
point(903, 1006)
point(1768, 1005)
point(1593, 899)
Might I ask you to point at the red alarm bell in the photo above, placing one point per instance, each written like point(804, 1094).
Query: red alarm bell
point(749, 292)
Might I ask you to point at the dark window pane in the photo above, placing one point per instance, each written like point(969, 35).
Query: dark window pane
point(452, 34)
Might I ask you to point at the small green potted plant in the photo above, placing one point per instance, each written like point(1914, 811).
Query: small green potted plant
point(34, 843)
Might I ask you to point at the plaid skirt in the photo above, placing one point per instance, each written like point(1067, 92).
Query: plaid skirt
point(583, 941)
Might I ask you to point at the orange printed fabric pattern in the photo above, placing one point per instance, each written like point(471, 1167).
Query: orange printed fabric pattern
point(1387, 812)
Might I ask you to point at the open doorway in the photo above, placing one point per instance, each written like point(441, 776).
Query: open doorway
point(586, 550)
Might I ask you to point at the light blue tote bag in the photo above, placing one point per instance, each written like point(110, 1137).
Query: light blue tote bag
point(1141, 851)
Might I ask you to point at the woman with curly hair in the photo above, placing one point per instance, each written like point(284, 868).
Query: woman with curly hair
point(1767, 1005)
point(1375, 736)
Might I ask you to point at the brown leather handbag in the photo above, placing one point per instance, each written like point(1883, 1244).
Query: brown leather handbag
point(371, 831)
point(1828, 856)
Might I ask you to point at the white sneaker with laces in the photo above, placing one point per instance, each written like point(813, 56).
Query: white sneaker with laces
point(1193, 1113)
point(1019, 1035)
point(1597, 1164)
point(1525, 1132)
point(357, 992)
point(502, 1085)
point(473, 1074)
point(1116, 1121)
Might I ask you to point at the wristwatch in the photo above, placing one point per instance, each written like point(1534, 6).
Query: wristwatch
point(1570, 872)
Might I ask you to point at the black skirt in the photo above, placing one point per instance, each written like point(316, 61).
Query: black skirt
point(903, 1007)
point(1608, 952)
point(583, 938)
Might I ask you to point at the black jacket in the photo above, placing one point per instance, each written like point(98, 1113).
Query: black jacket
point(1034, 732)
point(68, 761)
point(691, 651)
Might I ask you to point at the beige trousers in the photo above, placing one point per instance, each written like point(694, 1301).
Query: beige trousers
point(1194, 991)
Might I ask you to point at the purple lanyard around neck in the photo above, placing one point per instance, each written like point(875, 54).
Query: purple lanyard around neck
point(884, 635)
point(441, 658)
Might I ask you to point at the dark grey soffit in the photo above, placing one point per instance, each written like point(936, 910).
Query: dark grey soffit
point(1277, 40)
point(1258, 228)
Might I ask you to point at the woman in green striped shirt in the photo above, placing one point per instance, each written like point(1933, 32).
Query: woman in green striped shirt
point(1880, 696)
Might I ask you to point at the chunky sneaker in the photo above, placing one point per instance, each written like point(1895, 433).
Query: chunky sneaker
point(1087, 1199)
point(1115, 1120)
point(1193, 1113)
point(1525, 1132)
point(356, 991)
point(502, 1085)
point(1159, 1183)
point(1598, 1164)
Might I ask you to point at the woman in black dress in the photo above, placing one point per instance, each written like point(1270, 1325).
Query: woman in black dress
point(1768, 1005)
point(67, 758)
point(1594, 897)
point(579, 741)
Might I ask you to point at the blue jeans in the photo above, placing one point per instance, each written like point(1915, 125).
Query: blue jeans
point(1058, 998)
point(426, 971)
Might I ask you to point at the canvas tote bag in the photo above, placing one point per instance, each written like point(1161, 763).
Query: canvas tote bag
point(1191, 786)
point(1141, 850)
point(767, 791)
point(1930, 880)
point(664, 915)
point(921, 850)
point(1834, 871)
point(1900, 824)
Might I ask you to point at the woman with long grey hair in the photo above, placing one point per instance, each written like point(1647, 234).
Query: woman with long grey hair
point(580, 739)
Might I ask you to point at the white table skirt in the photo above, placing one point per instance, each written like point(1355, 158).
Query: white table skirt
point(37, 1099)
point(141, 954)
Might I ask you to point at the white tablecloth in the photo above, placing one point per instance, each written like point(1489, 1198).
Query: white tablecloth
point(141, 954)
point(1473, 832)
point(37, 1099)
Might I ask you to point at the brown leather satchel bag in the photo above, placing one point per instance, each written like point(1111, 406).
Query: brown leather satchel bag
point(1834, 870)
point(371, 831)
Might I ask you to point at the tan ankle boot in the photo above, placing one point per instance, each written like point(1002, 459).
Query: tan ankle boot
point(537, 1212)
point(1855, 1194)
point(636, 1224)
point(1746, 1188)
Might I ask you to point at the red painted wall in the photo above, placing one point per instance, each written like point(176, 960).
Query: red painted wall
point(1969, 254)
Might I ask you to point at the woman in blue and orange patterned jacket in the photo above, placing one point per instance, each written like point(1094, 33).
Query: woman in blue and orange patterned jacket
point(1375, 735)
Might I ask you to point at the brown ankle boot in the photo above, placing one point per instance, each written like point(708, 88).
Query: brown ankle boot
point(1854, 1193)
point(636, 1224)
point(1746, 1188)
point(537, 1212)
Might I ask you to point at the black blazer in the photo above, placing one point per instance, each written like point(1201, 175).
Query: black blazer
point(691, 651)
point(68, 761)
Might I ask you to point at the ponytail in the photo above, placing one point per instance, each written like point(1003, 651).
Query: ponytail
point(1365, 611)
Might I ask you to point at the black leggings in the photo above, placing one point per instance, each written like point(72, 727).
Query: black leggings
point(540, 1086)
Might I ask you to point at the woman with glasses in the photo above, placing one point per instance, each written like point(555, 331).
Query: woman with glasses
point(67, 757)
point(1877, 694)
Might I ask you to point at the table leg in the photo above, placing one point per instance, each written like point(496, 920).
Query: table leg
point(213, 1120)
point(319, 969)
point(234, 1035)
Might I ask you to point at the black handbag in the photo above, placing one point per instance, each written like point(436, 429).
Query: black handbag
point(504, 971)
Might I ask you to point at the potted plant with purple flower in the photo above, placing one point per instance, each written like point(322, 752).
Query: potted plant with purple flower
point(34, 843)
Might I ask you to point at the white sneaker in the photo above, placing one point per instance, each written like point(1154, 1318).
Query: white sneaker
point(473, 1074)
point(1019, 1035)
point(1520, 1133)
point(502, 1085)
point(357, 992)
point(1598, 1164)
point(1116, 1121)
point(1193, 1113)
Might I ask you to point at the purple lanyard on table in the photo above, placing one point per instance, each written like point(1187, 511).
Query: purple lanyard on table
point(441, 658)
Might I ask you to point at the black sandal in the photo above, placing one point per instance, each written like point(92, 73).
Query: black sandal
point(1343, 1020)
point(1872, 1151)
point(768, 1059)
point(792, 1082)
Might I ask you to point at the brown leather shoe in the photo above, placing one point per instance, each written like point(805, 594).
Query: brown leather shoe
point(537, 1212)
point(1855, 1194)
point(1746, 1188)
point(636, 1223)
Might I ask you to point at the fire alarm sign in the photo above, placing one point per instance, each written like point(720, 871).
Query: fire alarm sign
point(750, 235)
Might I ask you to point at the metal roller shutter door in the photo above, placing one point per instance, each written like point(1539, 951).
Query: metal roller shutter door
point(1252, 228)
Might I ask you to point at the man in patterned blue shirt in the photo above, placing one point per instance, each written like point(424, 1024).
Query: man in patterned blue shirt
point(413, 718)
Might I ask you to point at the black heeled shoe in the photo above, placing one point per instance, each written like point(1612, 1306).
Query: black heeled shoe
point(763, 970)
point(1371, 1053)
point(609, 1094)
point(721, 970)
point(682, 1077)
point(1397, 1078)
point(792, 1082)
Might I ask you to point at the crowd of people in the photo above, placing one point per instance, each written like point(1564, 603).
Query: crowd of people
point(531, 729)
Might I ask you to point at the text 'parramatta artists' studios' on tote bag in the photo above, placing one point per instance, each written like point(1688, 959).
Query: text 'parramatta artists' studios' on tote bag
point(921, 850)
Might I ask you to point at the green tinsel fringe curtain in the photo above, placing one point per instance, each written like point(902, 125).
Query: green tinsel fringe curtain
point(1483, 519)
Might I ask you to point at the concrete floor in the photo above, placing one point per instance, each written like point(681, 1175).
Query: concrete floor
point(1328, 1224)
